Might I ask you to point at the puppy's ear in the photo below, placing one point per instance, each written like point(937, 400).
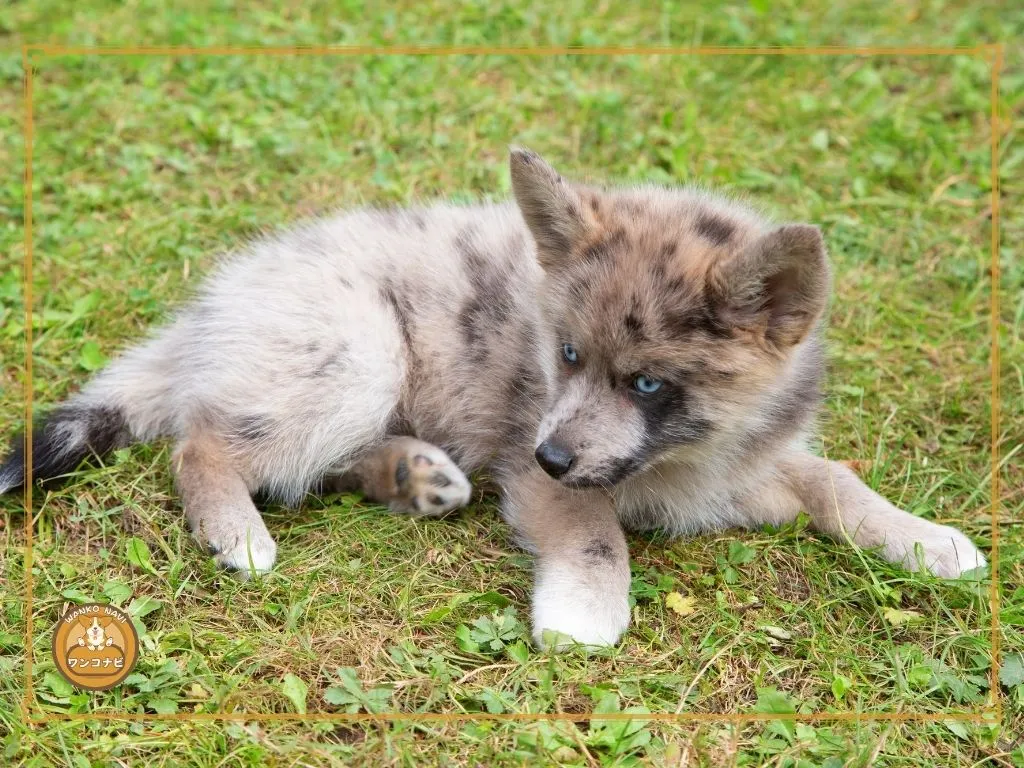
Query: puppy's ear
point(550, 206)
point(777, 286)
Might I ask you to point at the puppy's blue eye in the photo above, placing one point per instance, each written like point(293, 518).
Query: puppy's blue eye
point(569, 353)
point(645, 385)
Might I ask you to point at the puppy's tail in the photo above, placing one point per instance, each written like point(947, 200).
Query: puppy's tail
point(128, 402)
point(61, 440)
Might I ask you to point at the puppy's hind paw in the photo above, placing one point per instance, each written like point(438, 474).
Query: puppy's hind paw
point(429, 483)
point(247, 553)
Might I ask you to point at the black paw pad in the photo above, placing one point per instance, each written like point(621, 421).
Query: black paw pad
point(402, 475)
point(440, 480)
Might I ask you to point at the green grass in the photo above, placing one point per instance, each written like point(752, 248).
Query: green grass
point(145, 167)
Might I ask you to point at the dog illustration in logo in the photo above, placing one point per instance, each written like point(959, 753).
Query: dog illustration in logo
point(95, 653)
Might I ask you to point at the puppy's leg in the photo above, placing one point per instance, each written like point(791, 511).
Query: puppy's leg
point(581, 586)
point(219, 508)
point(411, 476)
point(840, 505)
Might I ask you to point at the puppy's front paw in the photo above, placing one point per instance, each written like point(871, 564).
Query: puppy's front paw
point(944, 551)
point(567, 611)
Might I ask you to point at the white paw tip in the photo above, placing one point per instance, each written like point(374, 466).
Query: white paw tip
point(554, 640)
point(565, 621)
point(249, 558)
point(943, 551)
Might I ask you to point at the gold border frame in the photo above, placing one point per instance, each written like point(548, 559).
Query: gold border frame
point(993, 52)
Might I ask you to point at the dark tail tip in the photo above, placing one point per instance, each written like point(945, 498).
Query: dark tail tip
point(61, 440)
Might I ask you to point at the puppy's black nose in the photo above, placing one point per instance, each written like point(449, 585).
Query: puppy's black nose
point(556, 459)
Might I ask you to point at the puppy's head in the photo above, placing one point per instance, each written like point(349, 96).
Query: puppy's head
point(678, 317)
point(95, 628)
